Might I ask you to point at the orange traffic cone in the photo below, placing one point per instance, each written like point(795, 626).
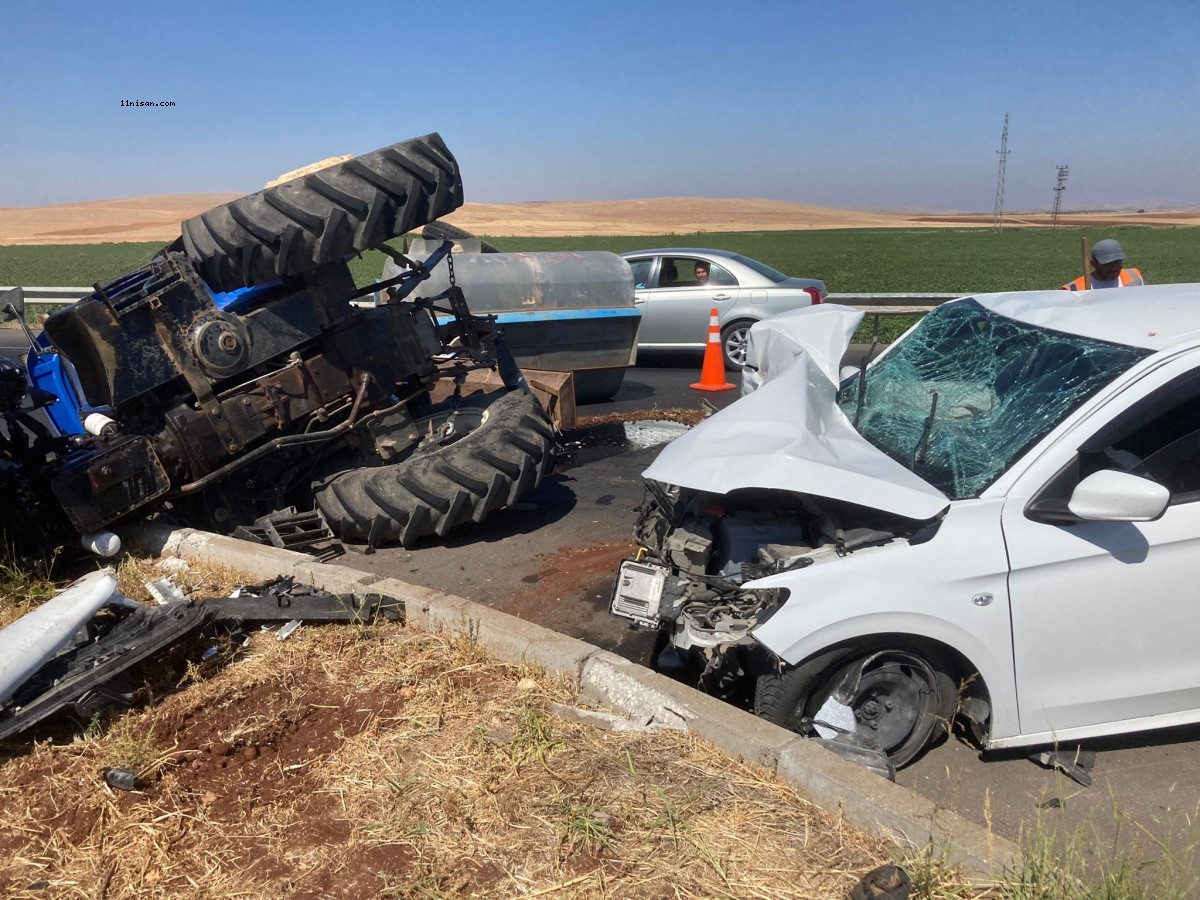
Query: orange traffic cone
point(712, 373)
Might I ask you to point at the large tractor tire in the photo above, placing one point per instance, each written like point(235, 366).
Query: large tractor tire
point(325, 216)
point(479, 456)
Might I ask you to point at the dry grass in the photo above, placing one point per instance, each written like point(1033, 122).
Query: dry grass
point(22, 589)
point(385, 762)
point(196, 579)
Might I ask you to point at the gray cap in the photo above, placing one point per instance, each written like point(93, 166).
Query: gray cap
point(1107, 251)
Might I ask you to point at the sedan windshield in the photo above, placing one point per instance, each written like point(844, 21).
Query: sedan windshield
point(969, 391)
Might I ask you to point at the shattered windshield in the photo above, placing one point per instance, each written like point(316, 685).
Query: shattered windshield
point(968, 391)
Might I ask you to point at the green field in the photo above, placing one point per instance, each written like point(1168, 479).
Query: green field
point(849, 261)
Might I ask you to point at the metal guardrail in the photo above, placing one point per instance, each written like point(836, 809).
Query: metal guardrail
point(893, 304)
point(52, 295)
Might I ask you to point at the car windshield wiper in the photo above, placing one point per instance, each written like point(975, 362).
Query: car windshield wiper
point(862, 372)
point(918, 456)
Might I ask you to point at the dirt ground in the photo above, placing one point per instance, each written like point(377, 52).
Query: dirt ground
point(157, 218)
point(358, 762)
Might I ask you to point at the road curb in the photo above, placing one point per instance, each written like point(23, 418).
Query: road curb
point(862, 798)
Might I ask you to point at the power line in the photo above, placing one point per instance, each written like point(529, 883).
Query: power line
point(1059, 187)
point(998, 215)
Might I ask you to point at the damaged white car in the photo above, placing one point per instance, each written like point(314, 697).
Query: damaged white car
point(999, 519)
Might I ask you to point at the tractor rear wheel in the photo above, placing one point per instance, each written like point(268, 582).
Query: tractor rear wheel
point(324, 216)
point(476, 457)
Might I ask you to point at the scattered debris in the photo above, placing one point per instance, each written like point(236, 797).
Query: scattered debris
point(121, 779)
point(652, 433)
point(855, 749)
point(1075, 764)
point(283, 599)
point(27, 643)
point(834, 718)
point(71, 651)
point(287, 630)
point(287, 529)
point(837, 730)
point(165, 591)
point(883, 883)
point(77, 677)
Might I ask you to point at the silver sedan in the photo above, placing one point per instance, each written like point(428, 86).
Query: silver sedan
point(677, 287)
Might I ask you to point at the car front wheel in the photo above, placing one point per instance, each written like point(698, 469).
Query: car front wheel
point(903, 701)
point(733, 344)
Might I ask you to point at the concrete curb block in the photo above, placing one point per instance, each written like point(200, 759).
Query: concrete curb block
point(863, 799)
point(646, 696)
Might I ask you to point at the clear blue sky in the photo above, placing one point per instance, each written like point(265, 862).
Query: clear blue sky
point(858, 103)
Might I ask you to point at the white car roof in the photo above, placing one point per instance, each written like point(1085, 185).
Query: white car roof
point(1153, 316)
point(684, 251)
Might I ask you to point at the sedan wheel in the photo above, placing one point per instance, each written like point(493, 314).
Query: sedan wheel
point(733, 344)
point(903, 700)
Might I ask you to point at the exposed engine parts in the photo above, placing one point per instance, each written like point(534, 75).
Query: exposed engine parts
point(702, 551)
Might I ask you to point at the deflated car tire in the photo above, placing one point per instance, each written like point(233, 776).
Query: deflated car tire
point(905, 699)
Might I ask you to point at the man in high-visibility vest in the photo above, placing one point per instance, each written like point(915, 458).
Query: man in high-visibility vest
point(1108, 269)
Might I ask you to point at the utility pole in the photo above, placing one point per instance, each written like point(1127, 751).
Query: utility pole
point(1059, 187)
point(998, 215)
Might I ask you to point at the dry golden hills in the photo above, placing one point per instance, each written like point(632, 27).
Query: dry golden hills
point(157, 218)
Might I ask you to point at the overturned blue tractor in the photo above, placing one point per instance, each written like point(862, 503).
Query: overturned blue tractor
point(233, 377)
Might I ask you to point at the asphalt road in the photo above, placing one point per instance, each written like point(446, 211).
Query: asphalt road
point(551, 558)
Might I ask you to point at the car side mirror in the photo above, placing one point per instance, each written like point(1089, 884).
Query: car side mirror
point(12, 305)
point(1113, 496)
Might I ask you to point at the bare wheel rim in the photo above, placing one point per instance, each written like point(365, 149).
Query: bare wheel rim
point(896, 696)
point(446, 427)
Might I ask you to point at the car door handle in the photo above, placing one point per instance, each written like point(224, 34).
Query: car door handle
point(721, 296)
point(637, 299)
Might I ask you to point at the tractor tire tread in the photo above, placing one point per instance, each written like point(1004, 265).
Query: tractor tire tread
point(325, 216)
point(434, 491)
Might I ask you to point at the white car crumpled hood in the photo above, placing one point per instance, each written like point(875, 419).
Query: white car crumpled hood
point(790, 434)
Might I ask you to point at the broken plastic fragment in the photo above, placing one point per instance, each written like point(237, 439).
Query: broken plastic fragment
point(1075, 764)
point(37, 636)
point(120, 778)
point(287, 630)
point(834, 718)
point(165, 591)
